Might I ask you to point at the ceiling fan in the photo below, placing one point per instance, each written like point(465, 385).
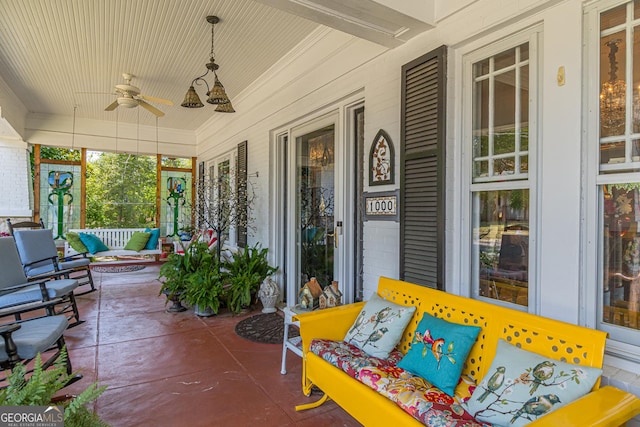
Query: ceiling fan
point(129, 97)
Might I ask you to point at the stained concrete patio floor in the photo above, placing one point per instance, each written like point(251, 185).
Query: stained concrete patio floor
point(176, 369)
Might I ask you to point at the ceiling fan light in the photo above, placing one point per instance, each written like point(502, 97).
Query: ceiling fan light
point(191, 99)
point(127, 102)
point(225, 108)
point(218, 95)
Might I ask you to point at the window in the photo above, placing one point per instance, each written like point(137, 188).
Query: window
point(499, 169)
point(618, 177)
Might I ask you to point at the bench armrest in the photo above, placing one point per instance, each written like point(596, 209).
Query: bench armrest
point(329, 323)
point(607, 406)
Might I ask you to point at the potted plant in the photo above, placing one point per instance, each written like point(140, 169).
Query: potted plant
point(246, 270)
point(41, 387)
point(204, 288)
point(174, 272)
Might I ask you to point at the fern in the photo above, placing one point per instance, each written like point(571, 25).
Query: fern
point(43, 384)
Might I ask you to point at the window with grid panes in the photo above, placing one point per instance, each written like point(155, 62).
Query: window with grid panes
point(500, 190)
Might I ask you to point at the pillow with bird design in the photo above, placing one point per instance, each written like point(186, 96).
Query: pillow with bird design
point(521, 386)
point(438, 351)
point(379, 326)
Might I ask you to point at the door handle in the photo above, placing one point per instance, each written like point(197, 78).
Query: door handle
point(337, 231)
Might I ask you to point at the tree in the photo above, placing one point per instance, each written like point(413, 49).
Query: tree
point(222, 202)
point(121, 190)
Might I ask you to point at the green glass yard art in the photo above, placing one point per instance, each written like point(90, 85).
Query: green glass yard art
point(176, 187)
point(60, 183)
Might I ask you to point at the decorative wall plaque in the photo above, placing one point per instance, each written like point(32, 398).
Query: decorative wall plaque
point(381, 160)
point(381, 206)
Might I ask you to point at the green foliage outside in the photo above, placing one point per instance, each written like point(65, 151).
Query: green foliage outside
point(40, 388)
point(121, 191)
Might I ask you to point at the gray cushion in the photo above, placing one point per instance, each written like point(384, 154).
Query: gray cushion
point(10, 265)
point(74, 263)
point(34, 246)
point(36, 336)
point(22, 296)
point(59, 288)
point(32, 293)
point(47, 267)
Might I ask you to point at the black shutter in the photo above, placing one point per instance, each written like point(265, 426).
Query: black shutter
point(241, 182)
point(422, 163)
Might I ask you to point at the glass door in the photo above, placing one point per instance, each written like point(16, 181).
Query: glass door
point(316, 238)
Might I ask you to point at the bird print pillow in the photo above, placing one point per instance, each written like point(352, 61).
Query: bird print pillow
point(438, 351)
point(522, 386)
point(379, 326)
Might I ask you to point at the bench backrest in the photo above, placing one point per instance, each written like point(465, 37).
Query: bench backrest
point(552, 338)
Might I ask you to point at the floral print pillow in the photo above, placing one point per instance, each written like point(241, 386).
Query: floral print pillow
point(522, 386)
point(379, 326)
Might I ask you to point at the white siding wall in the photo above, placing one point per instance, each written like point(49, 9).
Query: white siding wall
point(15, 175)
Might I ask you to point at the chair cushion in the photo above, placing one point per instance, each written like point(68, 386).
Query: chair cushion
point(152, 243)
point(35, 336)
point(521, 386)
point(35, 246)
point(93, 243)
point(74, 263)
point(439, 350)
point(379, 326)
point(60, 288)
point(23, 296)
point(137, 241)
point(10, 265)
point(75, 242)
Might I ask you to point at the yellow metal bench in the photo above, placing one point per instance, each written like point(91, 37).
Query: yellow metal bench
point(606, 406)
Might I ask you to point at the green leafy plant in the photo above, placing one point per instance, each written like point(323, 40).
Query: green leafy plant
point(205, 286)
point(246, 270)
point(195, 276)
point(39, 390)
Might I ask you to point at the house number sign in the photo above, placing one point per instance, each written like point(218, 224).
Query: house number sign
point(381, 206)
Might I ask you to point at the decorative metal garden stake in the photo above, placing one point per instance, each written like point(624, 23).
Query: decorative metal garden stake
point(176, 188)
point(60, 182)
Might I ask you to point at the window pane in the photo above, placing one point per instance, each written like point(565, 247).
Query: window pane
point(504, 59)
point(524, 108)
point(505, 100)
point(524, 52)
point(501, 245)
point(481, 68)
point(621, 252)
point(612, 152)
point(524, 164)
point(505, 166)
point(636, 80)
point(612, 85)
point(613, 17)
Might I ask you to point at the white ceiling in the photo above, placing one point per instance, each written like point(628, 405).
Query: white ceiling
point(57, 54)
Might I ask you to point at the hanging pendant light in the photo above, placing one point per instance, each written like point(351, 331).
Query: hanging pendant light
point(217, 94)
point(225, 108)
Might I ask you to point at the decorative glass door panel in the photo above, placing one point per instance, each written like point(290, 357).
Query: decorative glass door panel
point(315, 204)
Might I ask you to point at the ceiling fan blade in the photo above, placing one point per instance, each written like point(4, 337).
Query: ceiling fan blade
point(154, 99)
point(112, 106)
point(151, 108)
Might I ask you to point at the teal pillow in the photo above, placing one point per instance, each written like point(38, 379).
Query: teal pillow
point(520, 386)
point(137, 241)
point(379, 326)
point(76, 243)
point(152, 243)
point(93, 243)
point(438, 351)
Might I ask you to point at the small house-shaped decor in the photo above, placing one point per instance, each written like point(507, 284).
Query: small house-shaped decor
point(330, 296)
point(309, 294)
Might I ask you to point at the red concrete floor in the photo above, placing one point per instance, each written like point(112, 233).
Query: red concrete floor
point(165, 369)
